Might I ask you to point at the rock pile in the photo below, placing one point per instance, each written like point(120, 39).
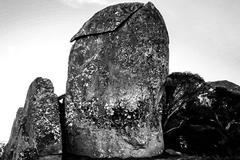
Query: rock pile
point(120, 101)
point(117, 67)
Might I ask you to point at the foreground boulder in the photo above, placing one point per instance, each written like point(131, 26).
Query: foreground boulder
point(116, 69)
point(36, 132)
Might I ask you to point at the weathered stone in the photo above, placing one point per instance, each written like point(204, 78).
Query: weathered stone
point(2, 148)
point(36, 130)
point(9, 151)
point(116, 69)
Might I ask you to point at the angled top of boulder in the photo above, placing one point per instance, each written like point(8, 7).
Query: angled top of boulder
point(108, 19)
point(39, 86)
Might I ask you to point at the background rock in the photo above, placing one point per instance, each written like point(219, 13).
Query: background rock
point(231, 87)
point(9, 151)
point(36, 130)
point(116, 69)
point(201, 117)
point(2, 148)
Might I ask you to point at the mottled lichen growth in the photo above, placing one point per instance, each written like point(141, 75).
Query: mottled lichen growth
point(28, 154)
point(36, 130)
point(116, 69)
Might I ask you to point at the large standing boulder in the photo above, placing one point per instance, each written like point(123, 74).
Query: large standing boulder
point(36, 131)
point(117, 66)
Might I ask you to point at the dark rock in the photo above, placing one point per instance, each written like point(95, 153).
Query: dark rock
point(180, 90)
point(116, 69)
point(232, 87)
point(201, 117)
point(36, 130)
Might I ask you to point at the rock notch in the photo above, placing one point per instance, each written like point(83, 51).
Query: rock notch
point(117, 66)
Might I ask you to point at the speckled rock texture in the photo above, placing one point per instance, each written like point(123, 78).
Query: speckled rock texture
point(117, 66)
point(36, 130)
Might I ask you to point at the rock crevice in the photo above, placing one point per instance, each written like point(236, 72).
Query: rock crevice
point(79, 34)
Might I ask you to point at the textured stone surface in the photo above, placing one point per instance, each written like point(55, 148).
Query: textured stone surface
point(2, 148)
point(161, 157)
point(51, 157)
point(12, 143)
point(36, 129)
point(116, 68)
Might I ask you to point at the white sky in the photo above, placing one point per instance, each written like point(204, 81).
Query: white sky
point(35, 35)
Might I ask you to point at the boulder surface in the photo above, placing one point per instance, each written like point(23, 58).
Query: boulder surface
point(117, 66)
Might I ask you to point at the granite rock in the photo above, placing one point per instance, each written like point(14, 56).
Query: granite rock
point(9, 151)
point(117, 66)
point(36, 130)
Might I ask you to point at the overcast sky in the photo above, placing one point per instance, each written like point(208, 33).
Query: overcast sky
point(35, 35)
